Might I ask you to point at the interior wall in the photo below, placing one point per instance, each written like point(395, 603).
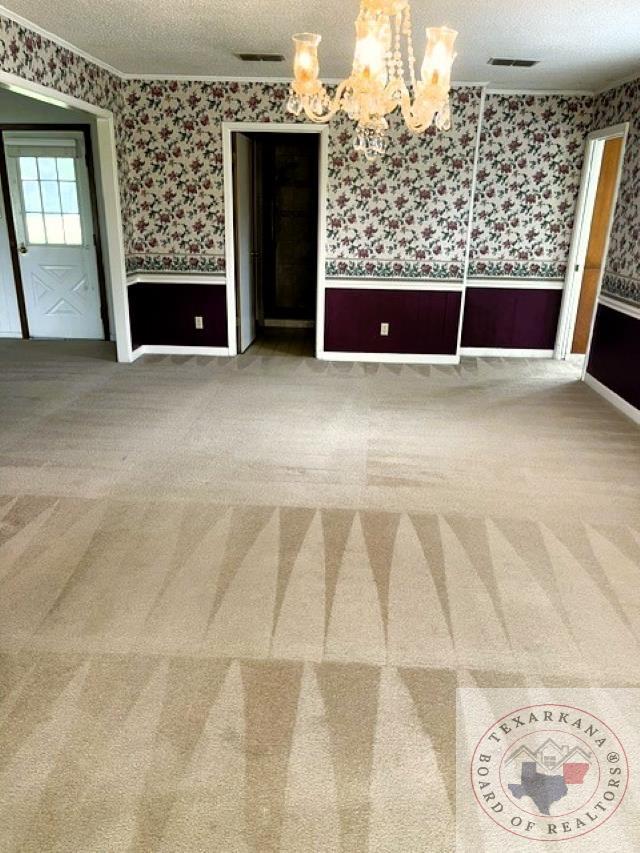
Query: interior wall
point(622, 273)
point(529, 171)
point(404, 216)
point(401, 218)
point(615, 344)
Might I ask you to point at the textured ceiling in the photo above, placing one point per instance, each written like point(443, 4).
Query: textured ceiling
point(583, 44)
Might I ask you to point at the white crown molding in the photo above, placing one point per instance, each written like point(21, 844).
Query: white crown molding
point(206, 78)
point(584, 93)
point(215, 78)
point(29, 25)
point(621, 82)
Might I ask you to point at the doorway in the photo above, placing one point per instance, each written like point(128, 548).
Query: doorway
point(275, 196)
point(604, 157)
point(276, 237)
point(52, 225)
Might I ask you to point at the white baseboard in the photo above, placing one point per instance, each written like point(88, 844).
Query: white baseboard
point(389, 357)
point(613, 398)
point(488, 352)
point(14, 335)
point(161, 349)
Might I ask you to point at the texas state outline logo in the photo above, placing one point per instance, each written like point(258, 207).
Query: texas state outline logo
point(549, 772)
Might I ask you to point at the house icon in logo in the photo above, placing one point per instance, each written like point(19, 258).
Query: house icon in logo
point(550, 756)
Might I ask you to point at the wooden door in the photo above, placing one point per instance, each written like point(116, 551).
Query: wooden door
point(602, 212)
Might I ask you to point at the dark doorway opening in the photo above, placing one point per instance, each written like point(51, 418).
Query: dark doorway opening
point(276, 237)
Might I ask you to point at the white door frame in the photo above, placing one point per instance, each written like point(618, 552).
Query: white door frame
point(229, 127)
point(581, 231)
point(112, 233)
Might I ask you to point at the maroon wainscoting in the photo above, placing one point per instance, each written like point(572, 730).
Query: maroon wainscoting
point(615, 353)
point(164, 314)
point(511, 318)
point(421, 322)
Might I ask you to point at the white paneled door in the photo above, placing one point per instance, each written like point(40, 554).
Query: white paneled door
point(52, 211)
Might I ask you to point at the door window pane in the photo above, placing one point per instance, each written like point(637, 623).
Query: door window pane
point(35, 229)
point(47, 169)
point(50, 196)
point(31, 195)
point(66, 169)
point(55, 228)
point(49, 186)
point(69, 197)
point(72, 229)
point(28, 169)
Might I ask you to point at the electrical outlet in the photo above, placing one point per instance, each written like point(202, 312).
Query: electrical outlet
point(199, 322)
point(384, 329)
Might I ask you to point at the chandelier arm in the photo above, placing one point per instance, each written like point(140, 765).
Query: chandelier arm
point(315, 118)
point(416, 125)
point(406, 108)
point(335, 105)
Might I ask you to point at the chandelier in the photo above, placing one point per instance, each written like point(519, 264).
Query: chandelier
point(377, 85)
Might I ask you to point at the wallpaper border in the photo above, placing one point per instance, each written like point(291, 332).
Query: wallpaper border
point(175, 263)
point(621, 287)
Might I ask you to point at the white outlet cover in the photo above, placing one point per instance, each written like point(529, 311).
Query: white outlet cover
point(199, 323)
point(384, 329)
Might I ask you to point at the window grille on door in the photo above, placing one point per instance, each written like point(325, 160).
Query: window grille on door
point(50, 200)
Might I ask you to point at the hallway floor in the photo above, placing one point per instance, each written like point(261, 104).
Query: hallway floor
point(282, 341)
point(237, 595)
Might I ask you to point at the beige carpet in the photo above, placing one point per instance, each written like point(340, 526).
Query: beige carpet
point(237, 596)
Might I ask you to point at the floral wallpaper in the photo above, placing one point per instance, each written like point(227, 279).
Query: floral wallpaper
point(173, 149)
point(529, 169)
point(403, 216)
point(622, 274)
point(33, 57)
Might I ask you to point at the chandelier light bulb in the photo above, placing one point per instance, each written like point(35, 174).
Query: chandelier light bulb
point(305, 65)
point(439, 57)
point(373, 41)
point(381, 80)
